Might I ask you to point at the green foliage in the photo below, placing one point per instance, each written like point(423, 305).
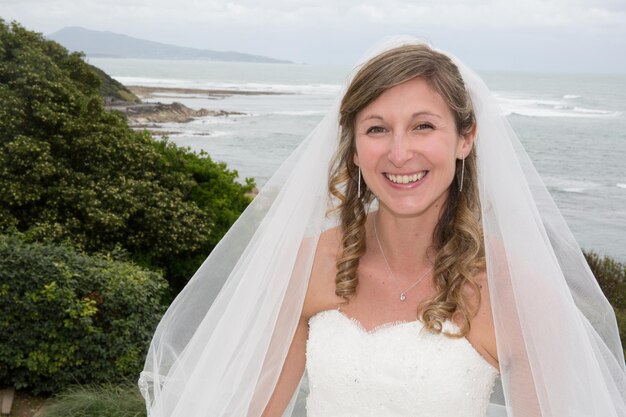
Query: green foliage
point(72, 171)
point(217, 194)
point(611, 276)
point(216, 190)
point(98, 401)
point(66, 317)
point(113, 89)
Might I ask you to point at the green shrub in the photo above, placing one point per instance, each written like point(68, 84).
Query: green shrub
point(215, 191)
point(97, 401)
point(72, 171)
point(112, 89)
point(611, 276)
point(67, 318)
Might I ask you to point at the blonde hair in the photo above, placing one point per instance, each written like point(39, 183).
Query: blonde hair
point(457, 238)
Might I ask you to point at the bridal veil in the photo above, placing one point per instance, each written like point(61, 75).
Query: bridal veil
point(219, 349)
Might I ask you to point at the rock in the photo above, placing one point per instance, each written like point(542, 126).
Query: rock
point(6, 400)
point(146, 113)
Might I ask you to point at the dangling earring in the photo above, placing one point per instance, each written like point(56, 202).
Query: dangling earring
point(358, 193)
point(462, 174)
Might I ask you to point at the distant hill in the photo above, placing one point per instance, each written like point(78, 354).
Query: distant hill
point(107, 44)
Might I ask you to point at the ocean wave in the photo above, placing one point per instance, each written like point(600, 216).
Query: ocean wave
point(178, 95)
point(512, 104)
point(313, 88)
point(577, 187)
point(300, 113)
point(570, 96)
point(570, 185)
point(151, 82)
point(595, 111)
point(206, 133)
point(214, 133)
point(215, 120)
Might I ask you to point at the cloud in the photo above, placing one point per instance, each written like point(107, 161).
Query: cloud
point(443, 13)
point(339, 31)
point(497, 14)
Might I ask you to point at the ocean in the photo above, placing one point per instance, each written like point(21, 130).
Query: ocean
point(573, 126)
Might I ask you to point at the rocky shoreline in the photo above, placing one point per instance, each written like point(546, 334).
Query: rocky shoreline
point(150, 115)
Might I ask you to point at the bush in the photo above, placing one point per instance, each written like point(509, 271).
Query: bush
point(72, 171)
point(67, 318)
point(215, 191)
point(98, 401)
point(611, 276)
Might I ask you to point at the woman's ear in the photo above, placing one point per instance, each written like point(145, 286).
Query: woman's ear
point(355, 159)
point(466, 141)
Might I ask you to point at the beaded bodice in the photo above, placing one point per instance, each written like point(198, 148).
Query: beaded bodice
point(399, 369)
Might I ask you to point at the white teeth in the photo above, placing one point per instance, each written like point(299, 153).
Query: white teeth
point(406, 179)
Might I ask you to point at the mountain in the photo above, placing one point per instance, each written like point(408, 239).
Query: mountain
point(107, 44)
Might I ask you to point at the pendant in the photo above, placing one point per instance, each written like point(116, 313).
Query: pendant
point(402, 296)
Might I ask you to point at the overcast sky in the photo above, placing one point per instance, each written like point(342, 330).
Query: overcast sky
point(525, 35)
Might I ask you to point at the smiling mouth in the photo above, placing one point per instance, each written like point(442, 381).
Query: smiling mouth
point(405, 179)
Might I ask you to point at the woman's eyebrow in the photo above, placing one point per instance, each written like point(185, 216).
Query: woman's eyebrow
point(425, 113)
point(372, 116)
point(413, 116)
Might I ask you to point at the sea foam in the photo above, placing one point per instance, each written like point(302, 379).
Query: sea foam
point(514, 104)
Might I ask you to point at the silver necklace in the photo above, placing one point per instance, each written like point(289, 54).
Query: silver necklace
point(419, 279)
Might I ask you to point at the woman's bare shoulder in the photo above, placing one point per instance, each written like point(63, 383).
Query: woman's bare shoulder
point(329, 244)
point(321, 290)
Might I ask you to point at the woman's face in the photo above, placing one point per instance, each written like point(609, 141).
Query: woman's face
point(406, 146)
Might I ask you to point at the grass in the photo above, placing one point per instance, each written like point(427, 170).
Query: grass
point(106, 400)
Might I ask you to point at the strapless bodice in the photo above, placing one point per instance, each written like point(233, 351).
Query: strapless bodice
point(399, 369)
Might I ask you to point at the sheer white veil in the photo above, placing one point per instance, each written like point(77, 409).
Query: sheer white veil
point(219, 349)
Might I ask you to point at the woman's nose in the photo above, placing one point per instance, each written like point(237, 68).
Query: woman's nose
point(399, 150)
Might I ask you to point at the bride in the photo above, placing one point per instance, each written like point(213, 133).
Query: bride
point(406, 255)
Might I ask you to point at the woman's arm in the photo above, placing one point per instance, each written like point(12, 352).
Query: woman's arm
point(320, 296)
point(291, 373)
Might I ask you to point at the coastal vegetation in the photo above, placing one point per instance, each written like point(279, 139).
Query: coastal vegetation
point(100, 225)
point(611, 275)
point(106, 400)
point(74, 172)
point(112, 90)
point(67, 317)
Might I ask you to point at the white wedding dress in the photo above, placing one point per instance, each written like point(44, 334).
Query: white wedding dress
point(396, 370)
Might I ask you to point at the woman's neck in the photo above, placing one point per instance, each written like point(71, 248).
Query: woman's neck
point(406, 242)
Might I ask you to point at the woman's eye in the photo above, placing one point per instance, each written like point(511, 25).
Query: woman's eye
point(376, 129)
point(423, 126)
